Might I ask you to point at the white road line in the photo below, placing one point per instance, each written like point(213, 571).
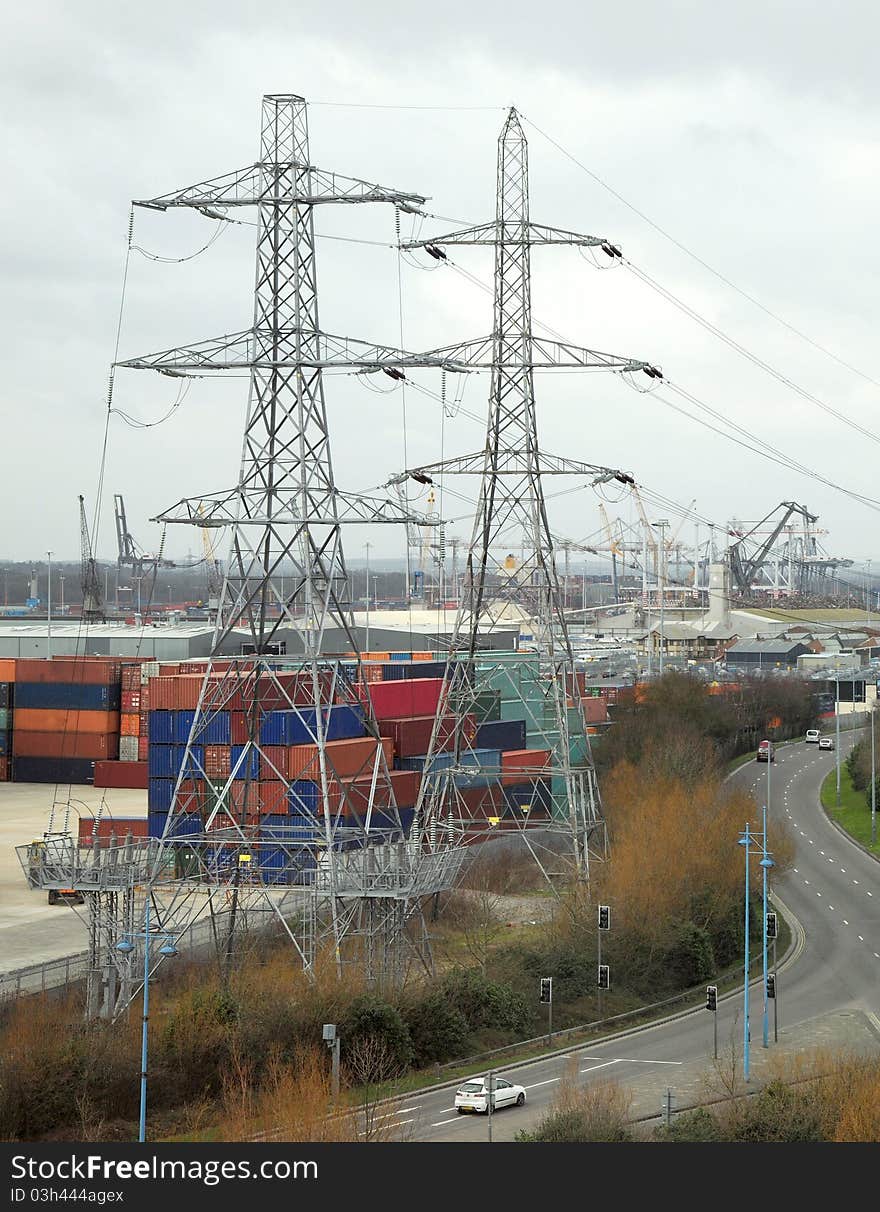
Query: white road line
point(810, 840)
point(605, 1065)
point(843, 870)
point(845, 922)
point(831, 907)
point(818, 894)
point(795, 870)
point(822, 852)
point(639, 1060)
point(441, 1122)
point(855, 881)
point(535, 1085)
point(876, 956)
point(806, 881)
point(870, 894)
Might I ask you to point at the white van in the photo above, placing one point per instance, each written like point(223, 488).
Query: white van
point(812, 737)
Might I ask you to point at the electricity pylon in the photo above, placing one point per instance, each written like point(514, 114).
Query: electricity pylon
point(322, 848)
point(511, 515)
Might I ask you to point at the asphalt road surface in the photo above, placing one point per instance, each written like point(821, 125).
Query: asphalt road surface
point(829, 992)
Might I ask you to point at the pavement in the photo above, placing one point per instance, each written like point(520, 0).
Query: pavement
point(31, 930)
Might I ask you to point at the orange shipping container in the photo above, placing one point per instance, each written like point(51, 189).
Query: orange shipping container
point(345, 759)
point(64, 719)
point(129, 725)
point(7, 670)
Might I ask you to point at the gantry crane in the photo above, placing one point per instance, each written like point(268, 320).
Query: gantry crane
point(92, 601)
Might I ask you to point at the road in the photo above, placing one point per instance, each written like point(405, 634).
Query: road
point(829, 994)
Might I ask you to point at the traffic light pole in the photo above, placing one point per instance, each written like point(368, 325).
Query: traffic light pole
point(776, 998)
point(490, 1081)
point(599, 962)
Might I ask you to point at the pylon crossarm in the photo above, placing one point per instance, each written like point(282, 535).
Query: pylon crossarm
point(285, 348)
point(348, 509)
point(279, 181)
point(532, 353)
point(518, 462)
point(531, 234)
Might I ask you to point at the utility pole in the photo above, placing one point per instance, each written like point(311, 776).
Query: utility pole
point(837, 730)
point(661, 526)
point(367, 630)
point(873, 780)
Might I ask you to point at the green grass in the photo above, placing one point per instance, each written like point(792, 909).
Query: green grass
point(853, 815)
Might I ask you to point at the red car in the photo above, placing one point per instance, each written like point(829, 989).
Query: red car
point(766, 752)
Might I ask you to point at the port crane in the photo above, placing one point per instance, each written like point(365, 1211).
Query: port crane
point(92, 601)
point(130, 553)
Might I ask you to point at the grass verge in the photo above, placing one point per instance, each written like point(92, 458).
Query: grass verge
point(853, 815)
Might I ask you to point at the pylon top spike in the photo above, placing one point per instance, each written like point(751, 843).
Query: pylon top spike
point(283, 97)
point(512, 124)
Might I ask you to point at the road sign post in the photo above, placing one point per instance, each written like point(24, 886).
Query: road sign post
point(712, 1004)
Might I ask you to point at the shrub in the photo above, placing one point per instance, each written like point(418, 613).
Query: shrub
point(690, 958)
point(370, 1018)
point(691, 1127)
point(438, 1030)
point(485, 1003)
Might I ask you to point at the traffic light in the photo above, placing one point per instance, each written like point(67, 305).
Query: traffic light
point(604, 976)
point(604, 917)
point(546, 989)
point(771, 984)
point(711, 997)
point(772, 931)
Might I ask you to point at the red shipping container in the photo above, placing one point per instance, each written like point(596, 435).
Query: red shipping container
point(131, 700)
point(521, 765)
point(4, 770)
point(78, 671)
point(405, 698)
point(479, 803)
point(273, 762)
point(345, 759)
point(404, 784)
point(278, 693)
point(122, 774)
point(94, 745)
point(261, 798)
point(129, 725)
point(145, 697)
point(218, 761)
point(412, 737)
point(595, 710)
point(106, 827)
point(143, 747)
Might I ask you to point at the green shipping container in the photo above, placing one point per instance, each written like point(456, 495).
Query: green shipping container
point(486, 706)
point(5, 719)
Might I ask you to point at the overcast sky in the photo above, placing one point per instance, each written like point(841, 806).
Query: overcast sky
point(747, 132)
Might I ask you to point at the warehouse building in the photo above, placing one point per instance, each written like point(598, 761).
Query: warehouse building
point(764, 654)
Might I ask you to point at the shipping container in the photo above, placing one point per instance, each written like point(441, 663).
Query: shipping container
point(4, 770)
point(502, 734)
point(160, 793)
point(101, 671)
point(54, 770)
point(5, 694)
point(130, 700)
point(60, 720)
point(530, 798)
point(300, 727)
point(121, 774)
point(96, 745)
point(352, 796)
point(5, 744)
point(129, 725)
point(143, 747)
point(161, 728)
point(520, 764)
point(129, 748)
point(110, 830)
point(479, 803)
point(7, 670)
point(414, 696)
point(413, 736)
point(5, 719)
point(345, 759)
point(82, 695)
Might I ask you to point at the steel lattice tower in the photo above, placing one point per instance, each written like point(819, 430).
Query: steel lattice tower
point(511, 512)
point(286, 512)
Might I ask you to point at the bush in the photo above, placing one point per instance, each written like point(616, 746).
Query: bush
point(691, 1127)
point(369, 1018)
point(581, 1114)
point(778, 1113)
point(485, 1003)
point(690, 958)
point(439, 1031)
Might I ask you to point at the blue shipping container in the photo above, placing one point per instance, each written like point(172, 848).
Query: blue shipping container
point(67, 694)
point(536, 793)
point(156, 823)
point(502, 734)
point(299, 727)
point(160, 793)
point(53, 770)
point(213, 729)
point(160, 727)
point(248, 767)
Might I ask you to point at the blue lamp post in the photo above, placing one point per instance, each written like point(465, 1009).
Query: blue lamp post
point(746, 840)
point(126, 946)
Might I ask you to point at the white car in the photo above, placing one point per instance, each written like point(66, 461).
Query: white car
point(812, 737)
point(826, 742)
point(473, 1095)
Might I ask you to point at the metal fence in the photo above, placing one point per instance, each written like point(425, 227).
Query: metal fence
point(68, 970)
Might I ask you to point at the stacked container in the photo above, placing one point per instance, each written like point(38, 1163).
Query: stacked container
point(7, 691)
point(66, 717)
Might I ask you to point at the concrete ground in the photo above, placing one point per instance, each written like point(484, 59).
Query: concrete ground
point(31, 930)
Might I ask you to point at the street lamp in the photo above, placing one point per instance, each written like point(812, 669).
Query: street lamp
point(661, 526)
point(873, 781)
point(126, 946)
point(746, 840)
point(49, 610)
point(367, 633)
point(837, 730)
point(61, 611)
